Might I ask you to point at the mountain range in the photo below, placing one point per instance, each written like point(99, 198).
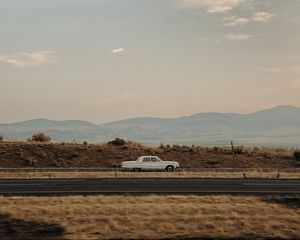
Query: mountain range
point(278, 126)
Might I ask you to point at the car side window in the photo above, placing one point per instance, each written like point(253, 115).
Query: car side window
point(154, 160)
point(146, 159)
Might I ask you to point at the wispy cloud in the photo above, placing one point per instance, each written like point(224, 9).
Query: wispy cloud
point(212, 6)
point(235, 21)
point(262, 17)
point(237, 37)
point(255, 17)
point(117, 50)
point(25, 59)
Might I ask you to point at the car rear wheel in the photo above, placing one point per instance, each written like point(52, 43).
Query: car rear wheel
point(136, 169)
point(169, 168)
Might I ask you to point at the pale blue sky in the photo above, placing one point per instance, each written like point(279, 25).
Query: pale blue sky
point(110, 59)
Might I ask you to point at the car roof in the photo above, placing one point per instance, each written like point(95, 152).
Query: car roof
point(148, 156)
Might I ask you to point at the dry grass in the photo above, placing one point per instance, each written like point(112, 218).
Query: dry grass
point(149, 217)
point(47, 175)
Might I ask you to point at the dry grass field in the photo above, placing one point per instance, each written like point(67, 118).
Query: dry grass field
point(51, 175)
point(149, 217)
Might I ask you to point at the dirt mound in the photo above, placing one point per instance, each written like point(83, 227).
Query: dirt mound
point(39, 155)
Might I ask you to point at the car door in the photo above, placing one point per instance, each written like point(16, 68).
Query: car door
point(146, 163)
point(155, 163)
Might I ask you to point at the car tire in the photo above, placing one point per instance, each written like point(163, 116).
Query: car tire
point(136, 169)
point(170, 168)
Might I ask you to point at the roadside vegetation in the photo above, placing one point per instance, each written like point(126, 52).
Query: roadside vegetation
point(150, 217)
point(40, 152)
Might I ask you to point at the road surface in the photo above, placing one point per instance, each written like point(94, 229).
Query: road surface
point(142, 186)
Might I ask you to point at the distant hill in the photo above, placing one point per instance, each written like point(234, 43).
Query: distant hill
point(279, 126)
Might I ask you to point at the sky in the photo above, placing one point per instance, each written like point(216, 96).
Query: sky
point(105, 60)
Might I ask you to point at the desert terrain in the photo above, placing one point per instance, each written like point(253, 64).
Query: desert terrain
point(66, 155)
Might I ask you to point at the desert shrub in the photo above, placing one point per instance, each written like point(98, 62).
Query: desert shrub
point(125, 147)
point(255, 151)
point(118, 142)
point(115, 165)
point(193, 150)
point(281, 150)
point(161, 146)
point(216, 149)
point(175, 146)
point(134, 145)
point(73, 155)
point(297, 155)
point(284, 153)
point(31, 161)
point(40, 137)
point(85, 143)
point(239, 149)
point(267, 155)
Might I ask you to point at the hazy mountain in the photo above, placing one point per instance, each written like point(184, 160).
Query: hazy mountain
point(46, 124)
point(276, 126)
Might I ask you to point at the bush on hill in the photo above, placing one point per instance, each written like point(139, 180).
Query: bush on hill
point(118, 142)
point(40, 137)
point(297, 154)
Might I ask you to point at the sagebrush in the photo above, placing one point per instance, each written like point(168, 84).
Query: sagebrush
point(40, 137)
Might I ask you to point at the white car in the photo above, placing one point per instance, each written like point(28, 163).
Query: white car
point(150, 163)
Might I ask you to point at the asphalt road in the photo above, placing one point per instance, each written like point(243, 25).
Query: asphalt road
point(142, 186)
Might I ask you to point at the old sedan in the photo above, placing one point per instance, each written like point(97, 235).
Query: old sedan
point(150, 163)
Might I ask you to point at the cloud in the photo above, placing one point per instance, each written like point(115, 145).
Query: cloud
point(261, 17)
point(256, 17)
point(117, 50)
point(234, 21)
point(25, 59)
point(212, 6)
point(238, 37)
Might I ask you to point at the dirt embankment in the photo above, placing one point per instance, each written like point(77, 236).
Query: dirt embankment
point(28, 154)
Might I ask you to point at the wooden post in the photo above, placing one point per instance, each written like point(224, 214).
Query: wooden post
point(232, 149)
